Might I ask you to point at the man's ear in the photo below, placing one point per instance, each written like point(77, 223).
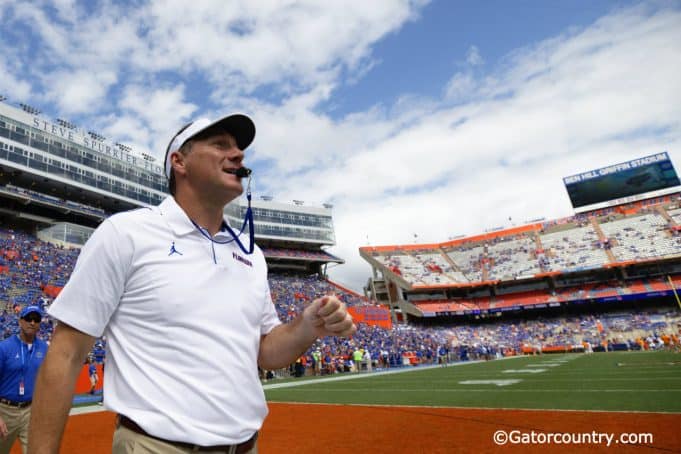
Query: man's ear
point(177, 163)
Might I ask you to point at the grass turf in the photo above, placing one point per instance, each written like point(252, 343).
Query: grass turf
point(626, 381)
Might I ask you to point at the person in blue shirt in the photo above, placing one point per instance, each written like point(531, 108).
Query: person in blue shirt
point(20, 358)
point(442, 355)
point(92, 371)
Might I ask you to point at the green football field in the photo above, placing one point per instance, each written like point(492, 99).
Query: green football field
point(626, 381)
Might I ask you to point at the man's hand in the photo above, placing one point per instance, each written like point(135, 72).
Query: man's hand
point(328, 316)
point(325, 316)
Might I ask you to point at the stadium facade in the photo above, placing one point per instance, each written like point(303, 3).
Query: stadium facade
point(622, 245)
point(62, 181)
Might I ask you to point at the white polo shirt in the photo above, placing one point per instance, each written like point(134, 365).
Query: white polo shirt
point(183, 315)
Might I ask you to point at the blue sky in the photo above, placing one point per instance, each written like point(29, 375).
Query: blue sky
point(436, 118)
point(421, 56)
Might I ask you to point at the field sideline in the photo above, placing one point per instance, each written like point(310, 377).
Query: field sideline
point(616, 381)
point(459, 408)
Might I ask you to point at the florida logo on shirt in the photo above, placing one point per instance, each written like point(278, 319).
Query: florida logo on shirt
point(239, 258)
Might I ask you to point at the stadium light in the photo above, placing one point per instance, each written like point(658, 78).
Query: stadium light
point(29, 109)
point(66, 124)
point(148, 157)
point(96, 136)
point(126, 148)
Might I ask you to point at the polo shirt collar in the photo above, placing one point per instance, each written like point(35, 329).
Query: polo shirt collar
point(175, 216)
point(178, 220)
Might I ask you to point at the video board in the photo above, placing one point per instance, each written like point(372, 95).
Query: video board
point(640, 178)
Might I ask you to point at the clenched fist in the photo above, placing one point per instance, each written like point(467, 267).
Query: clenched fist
point(328, 316)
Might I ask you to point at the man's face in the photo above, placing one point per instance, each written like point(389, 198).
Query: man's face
point(206, 165)
point(30, 324)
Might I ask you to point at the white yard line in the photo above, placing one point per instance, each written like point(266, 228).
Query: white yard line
point(494, 409)
point(86, 409)
point(351, 376)
point(492, 390)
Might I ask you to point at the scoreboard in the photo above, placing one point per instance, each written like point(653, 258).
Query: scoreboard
point(638, 179)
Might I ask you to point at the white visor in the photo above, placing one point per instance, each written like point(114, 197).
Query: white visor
point(238, 125)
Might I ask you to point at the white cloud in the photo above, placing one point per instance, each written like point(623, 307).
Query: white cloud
point(295, 49)
point(473, 56)
point(573, 103)
point(460, 87)
point(66, 9)
point(148, 117)
point(292, 48)
point(158, 108)
point(54, 40)
point(235, 47)
point(11, 85)
point(496, 145)
point(80, 91)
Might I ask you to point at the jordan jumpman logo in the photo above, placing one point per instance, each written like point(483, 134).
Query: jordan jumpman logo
point(173, 250)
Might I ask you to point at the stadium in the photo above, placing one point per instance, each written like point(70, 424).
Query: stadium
point(565, 325)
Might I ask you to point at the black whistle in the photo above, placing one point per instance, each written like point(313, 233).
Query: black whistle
point(241, 172)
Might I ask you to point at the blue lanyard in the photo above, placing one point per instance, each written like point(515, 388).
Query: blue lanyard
point(248, 220)
point(24, 365)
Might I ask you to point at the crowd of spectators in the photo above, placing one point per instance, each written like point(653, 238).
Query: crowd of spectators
point(387, 346)
point(411, 344)
point(573, 333)
point(613, 289)
point(29, 267)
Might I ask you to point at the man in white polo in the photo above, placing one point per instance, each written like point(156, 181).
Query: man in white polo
point(186, 309)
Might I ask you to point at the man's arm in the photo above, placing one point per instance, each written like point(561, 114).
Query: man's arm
point(54, 388)
point(326, 316)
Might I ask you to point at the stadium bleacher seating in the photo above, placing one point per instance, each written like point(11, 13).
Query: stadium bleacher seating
point(469, 261)
point(573, 249)
point(513, 258)
point(641, 237)
point(55, 201)
point(31, 271)
point(578, 243)
point(297, 253)
point(540, 297)
point(675, 215)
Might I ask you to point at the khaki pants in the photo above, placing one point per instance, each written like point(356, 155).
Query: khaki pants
point(125, 441)
point(17, 420)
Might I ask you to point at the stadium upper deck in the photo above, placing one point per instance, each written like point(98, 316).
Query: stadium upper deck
point(62, 153)
point(583, 243)
point(621, 254)
point(628, 213)
point(54, 172)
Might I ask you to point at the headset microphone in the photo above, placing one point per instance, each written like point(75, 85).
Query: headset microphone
point(241, 172)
